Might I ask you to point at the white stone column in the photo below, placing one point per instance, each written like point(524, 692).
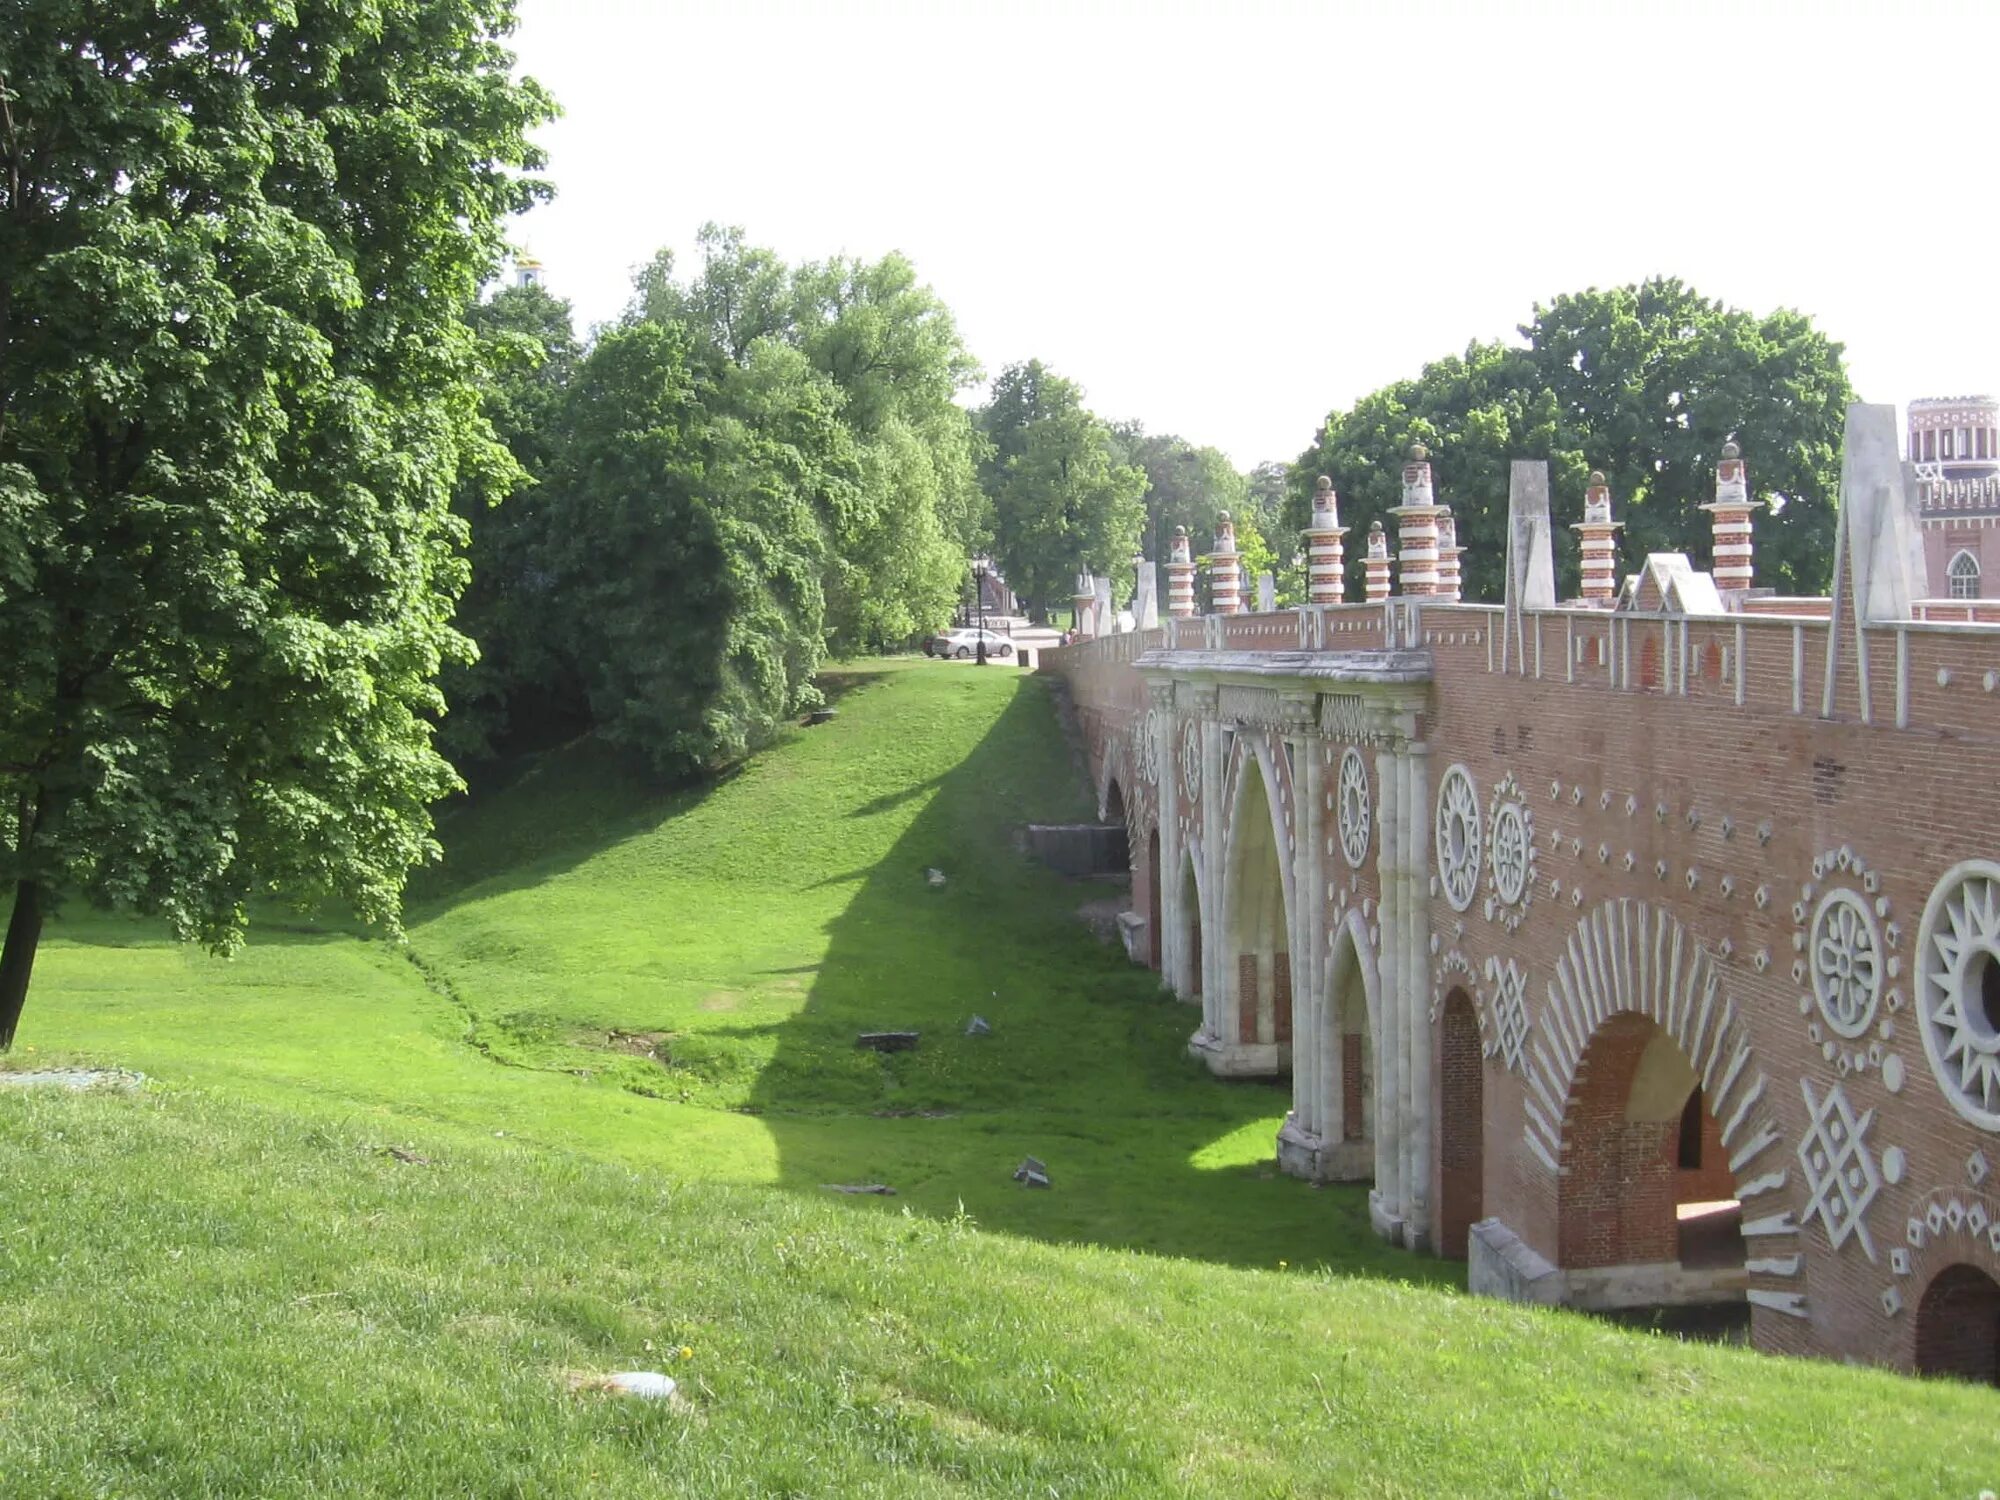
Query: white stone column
point(1214, 851)
point(1302, 1138)
point(1399, 1205)
point(1414, 996)
point(1171, 940)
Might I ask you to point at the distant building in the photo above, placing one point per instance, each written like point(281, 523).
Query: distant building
point(528, 271)
point(1954, 442)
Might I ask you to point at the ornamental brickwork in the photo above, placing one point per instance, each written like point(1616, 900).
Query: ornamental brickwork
point(1642, 955)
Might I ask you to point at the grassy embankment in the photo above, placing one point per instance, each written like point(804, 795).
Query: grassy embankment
point(622, 1021)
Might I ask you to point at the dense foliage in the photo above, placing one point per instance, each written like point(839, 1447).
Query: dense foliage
point(235, 397)
point(754, 466)
point(1064, 501)
point(1644, 382)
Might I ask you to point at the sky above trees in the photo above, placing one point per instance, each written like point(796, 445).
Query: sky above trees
point(1226, 225)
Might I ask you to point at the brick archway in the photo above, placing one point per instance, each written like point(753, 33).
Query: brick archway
point(1617, 1196)
point(1958, 1325)
point(1461, 1125)
point(1637, 1018)
point(1256, 925)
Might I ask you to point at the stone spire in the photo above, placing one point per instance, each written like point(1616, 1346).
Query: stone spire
point(1377, 564)
point(1417, 539)
point(1084, 597)
point(1730, 511)
point(1598, 533)
point(1180, 577)
point(1326, 579)
point(1225, 572)
point(1448, 554)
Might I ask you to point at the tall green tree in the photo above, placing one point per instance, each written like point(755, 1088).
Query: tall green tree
point(892, 351)
point(1645, 382)
point(1062, 502)
point(531, 351)
point(1185, 486)
point(236, 394)
point(683, 543)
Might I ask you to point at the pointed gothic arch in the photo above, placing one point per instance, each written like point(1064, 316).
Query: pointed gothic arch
point(1254, 1016)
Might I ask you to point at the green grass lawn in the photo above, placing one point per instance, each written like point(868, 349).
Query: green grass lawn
point(621, 1036)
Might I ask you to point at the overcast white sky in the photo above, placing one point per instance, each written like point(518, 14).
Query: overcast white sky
point(1226, 220)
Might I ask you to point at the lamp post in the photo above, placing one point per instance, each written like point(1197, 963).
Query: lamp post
point(979, 596)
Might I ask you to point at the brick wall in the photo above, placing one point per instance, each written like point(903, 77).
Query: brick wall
point(1461, 1140)
point(1281, 998)
point(1353, 1063)
point(1722, 817)
point(1711, 1182)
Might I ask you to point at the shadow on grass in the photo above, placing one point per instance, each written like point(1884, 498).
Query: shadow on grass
point(1084, 1067)
point(506, 833)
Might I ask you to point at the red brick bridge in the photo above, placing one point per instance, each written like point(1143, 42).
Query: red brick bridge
point(1644, 949)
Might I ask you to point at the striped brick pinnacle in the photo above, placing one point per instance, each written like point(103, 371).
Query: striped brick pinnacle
point(1598, 534)
point(1377, 564)
point(1226, 570)
point(1730, 516)
point(1180, 577)
point(1326, 559)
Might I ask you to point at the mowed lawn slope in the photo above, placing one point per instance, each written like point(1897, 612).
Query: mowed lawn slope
point(619, 1046)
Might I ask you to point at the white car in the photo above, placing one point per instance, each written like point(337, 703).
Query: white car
point(964, 644)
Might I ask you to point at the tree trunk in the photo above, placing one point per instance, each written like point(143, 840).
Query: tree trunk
point(17, 958)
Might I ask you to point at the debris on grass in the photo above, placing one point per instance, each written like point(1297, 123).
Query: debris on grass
point(415, 1159)
point(934, 879)
point(647, 1385)
point(1032, 1171)
point(72, 1078)
point(979, 1026)
point(888, 1041)
point(881, 1190)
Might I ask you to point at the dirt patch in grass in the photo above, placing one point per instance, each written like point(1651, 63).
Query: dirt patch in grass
point(649, 1044)
point(722, 1000)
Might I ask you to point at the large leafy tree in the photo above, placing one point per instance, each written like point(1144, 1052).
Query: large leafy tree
point(891, 351)
point(529, 341)
point(684, 545)
point(1062, 501)
point(1185, 485)
point(235, 399)
point(1645, 382)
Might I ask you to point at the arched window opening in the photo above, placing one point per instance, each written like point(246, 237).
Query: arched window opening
point(1958, 1326)
point(1963, 576)
point(1257, 1019)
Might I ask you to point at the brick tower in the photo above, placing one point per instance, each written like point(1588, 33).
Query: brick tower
point(1377, 564)
point(1731, 511)
point(1225, 572)
point(1417, 530)
point(1326, 581)
point(1180, 576)
point(1600, 546)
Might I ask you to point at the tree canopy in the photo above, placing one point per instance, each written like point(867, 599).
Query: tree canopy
point(758, 464)
point(235, 397)
point(1063, 501)
point(1645, 382)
